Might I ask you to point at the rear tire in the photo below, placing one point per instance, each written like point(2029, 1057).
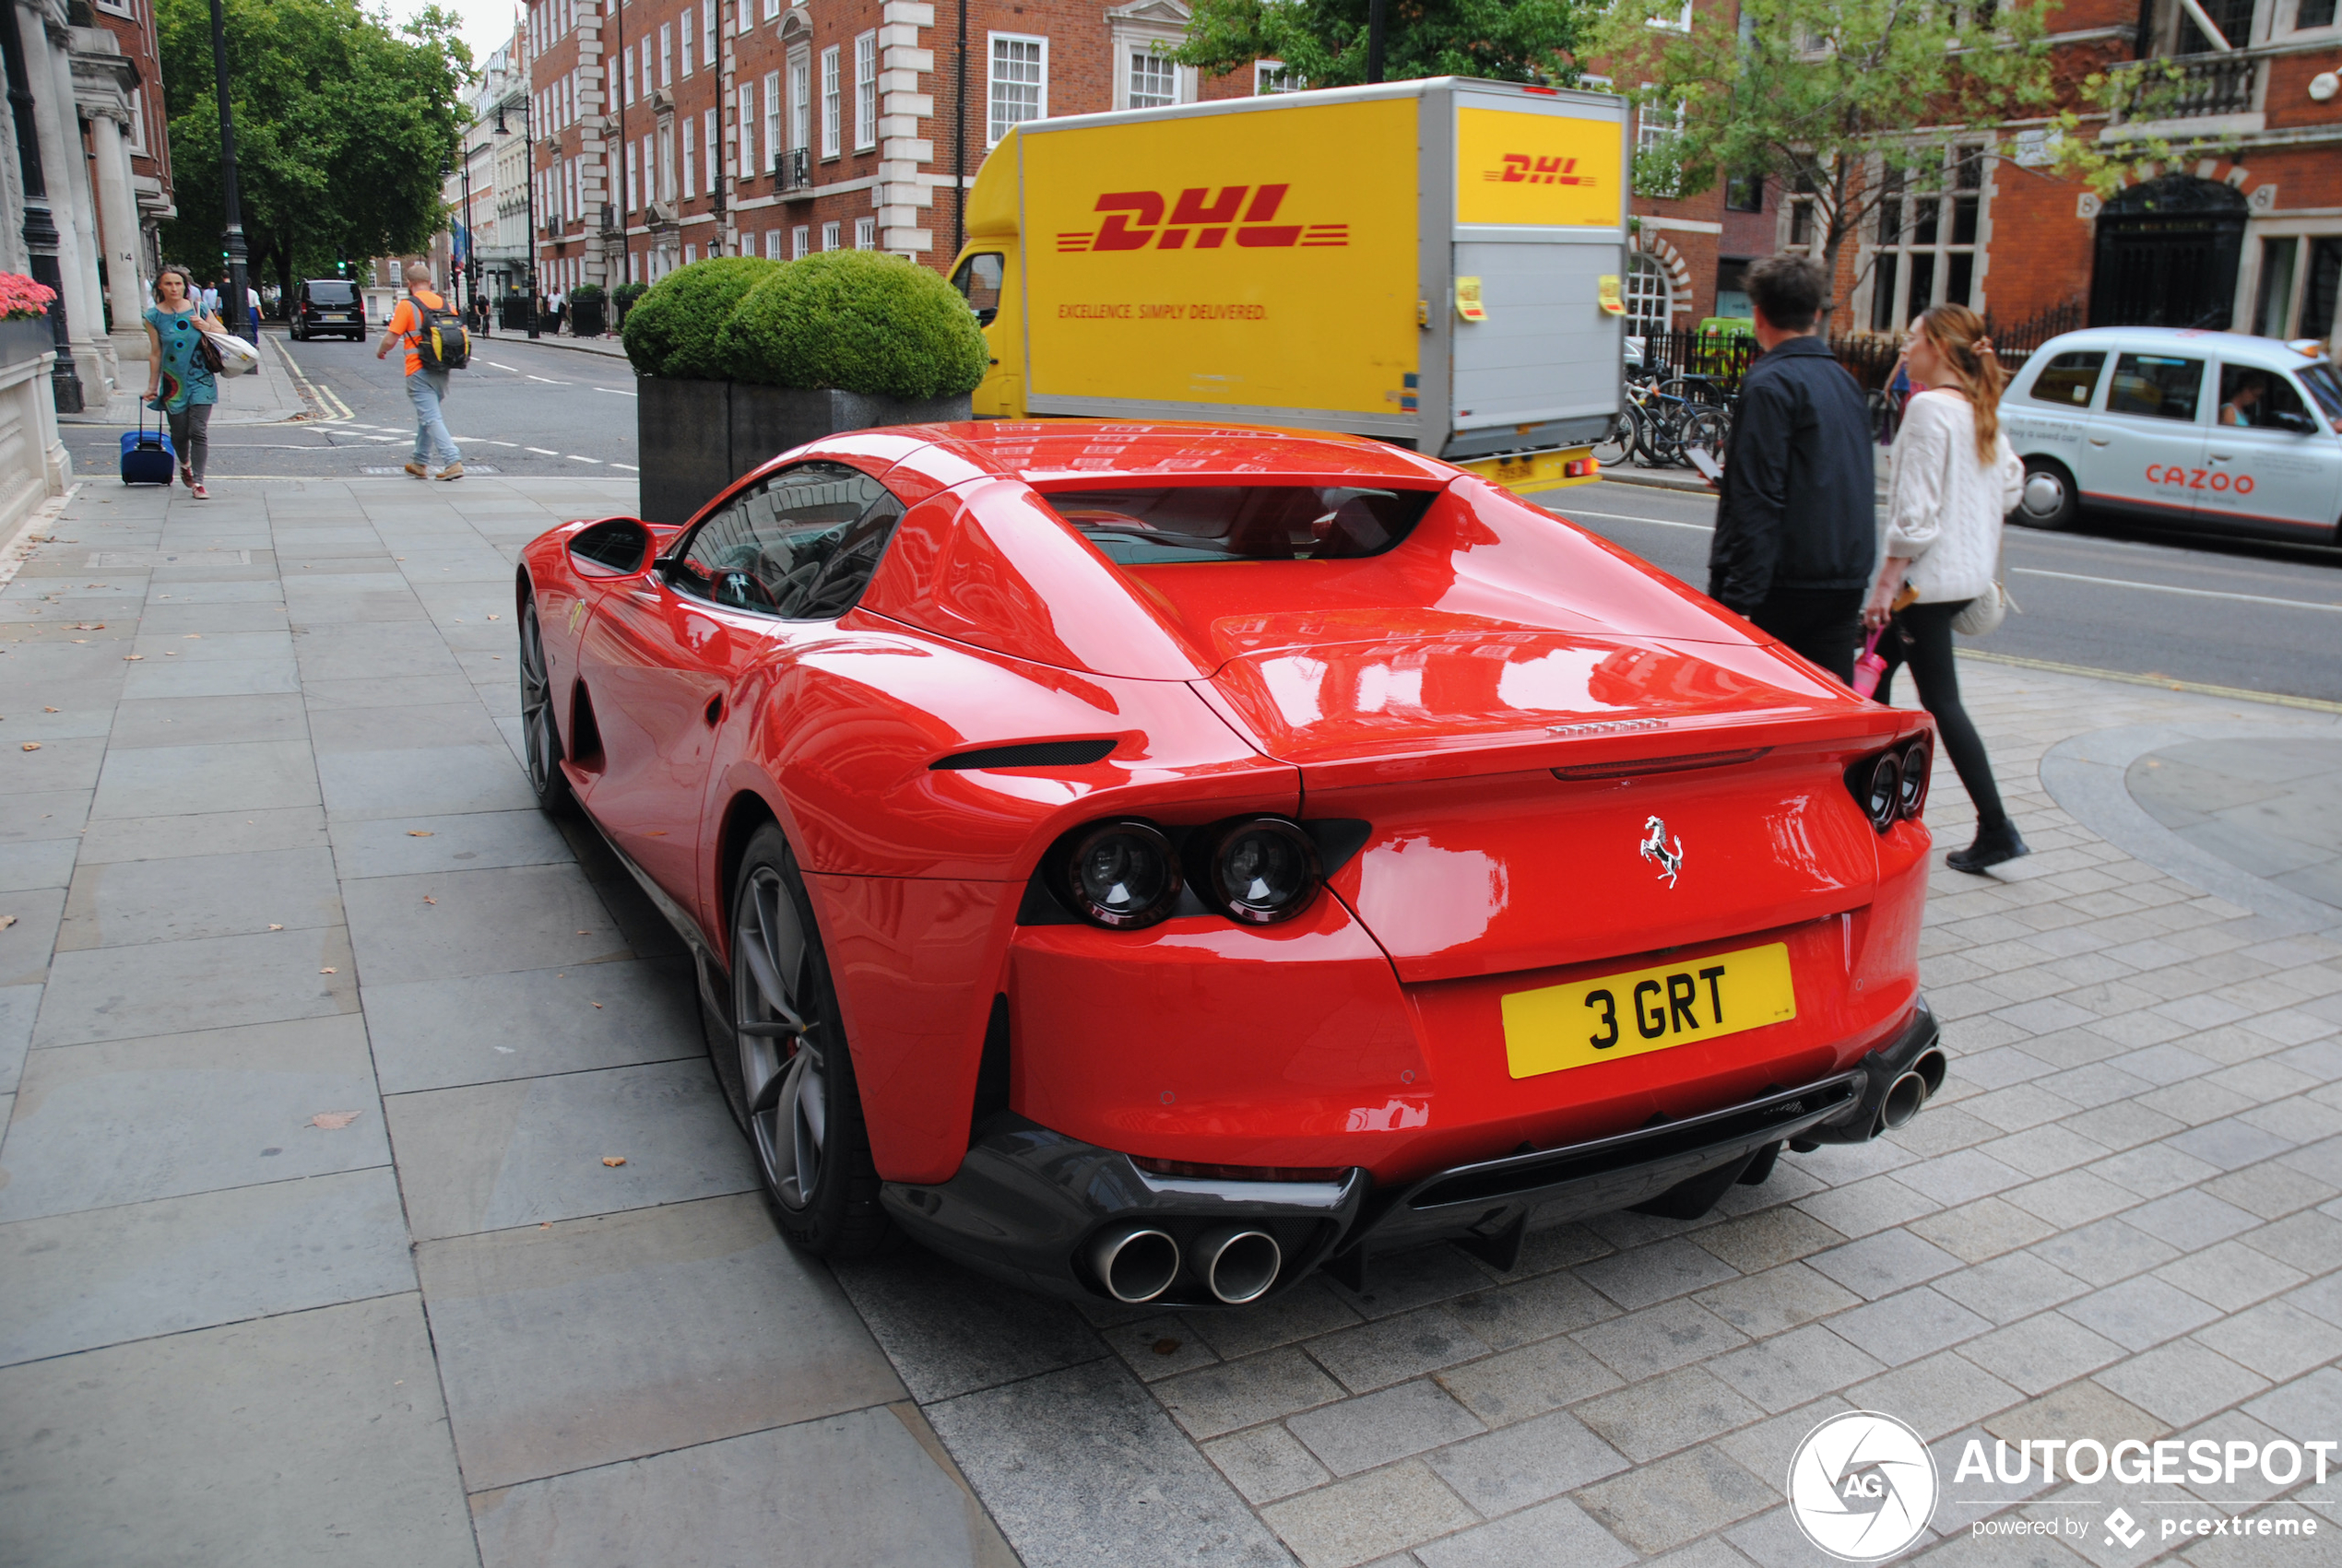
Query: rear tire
point(540, 734)
point(1614, 446)
point(1705, 428)
point(786, 1067)
point(2050, 500)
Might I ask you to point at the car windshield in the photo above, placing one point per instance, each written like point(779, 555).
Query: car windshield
point(1191, 523)
point(2326, 387)
point(330, 293)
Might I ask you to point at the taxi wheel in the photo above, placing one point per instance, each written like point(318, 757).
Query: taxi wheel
point(2050, 499)
point(786, 1067)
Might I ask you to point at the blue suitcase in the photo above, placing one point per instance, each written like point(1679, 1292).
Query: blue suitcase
point(148, 458)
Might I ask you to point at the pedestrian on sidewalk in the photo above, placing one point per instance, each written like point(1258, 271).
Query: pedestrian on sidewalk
point(1951, 479)
point(180, 386)
point(426, 387)
point(1796, 531)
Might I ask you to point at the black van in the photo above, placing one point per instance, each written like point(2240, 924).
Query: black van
point(328, 305)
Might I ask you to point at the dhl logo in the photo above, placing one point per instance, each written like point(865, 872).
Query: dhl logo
point(1520, 168)
point(1135, 220)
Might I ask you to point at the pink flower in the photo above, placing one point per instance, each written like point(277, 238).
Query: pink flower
point(21, 298)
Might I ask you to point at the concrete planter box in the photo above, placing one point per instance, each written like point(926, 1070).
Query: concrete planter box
point(25, 339)
point(696, 437)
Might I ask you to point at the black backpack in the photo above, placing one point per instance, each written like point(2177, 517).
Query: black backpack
point(441, 341)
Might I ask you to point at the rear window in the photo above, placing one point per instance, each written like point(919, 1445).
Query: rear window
point(332, 294)
point(1149, 527)
point(2070, 379)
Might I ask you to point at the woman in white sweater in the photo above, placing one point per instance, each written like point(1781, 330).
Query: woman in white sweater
point(1951, 479)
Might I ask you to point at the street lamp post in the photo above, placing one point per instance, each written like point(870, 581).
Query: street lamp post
point(528, 194)
point(232, 207)
point(469, 267)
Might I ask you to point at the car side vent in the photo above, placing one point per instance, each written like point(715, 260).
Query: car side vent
point(1032, 754)
point(991, 1071)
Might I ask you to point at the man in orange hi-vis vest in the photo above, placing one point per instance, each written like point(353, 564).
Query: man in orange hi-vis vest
point(426, 386)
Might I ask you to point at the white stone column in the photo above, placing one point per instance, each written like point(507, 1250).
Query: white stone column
point(901, 196)
point(118, 220)
point(76, 210)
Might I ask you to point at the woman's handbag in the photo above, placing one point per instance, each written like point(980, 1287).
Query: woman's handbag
point(228, 355)
point(1983, 615)
point(1869, 668)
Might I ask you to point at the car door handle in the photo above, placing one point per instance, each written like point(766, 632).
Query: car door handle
point(2101, 441)
point(2222, 456)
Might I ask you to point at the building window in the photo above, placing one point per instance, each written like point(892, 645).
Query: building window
point(865, 233)
point(687, 45)
point(666, 54)
point(1154, 81)
point(688, 137)
point(711, 139)
point(829, 236)
point(1929, 219)
point(632, 187)
point(1745, 193)
point(1656, 131)
point(800, 99)
point(628, 60)
point(800, 240)
point(772, 244)
point(745, 131)
point(1020, 83)
point(666, 164)
point(1270, 76)
point(2308, 13)
point(119, 7)
point(707, 33)
point(866, 105)
point(829, 102)
point(1651, 301)
point(771, 117)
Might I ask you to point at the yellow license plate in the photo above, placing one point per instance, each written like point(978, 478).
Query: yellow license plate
point(1586, 1021)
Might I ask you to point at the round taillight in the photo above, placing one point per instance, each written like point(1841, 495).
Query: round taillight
point(1261, 870)
point(1120, 875)
point(1917, 757)
point(1885, 796)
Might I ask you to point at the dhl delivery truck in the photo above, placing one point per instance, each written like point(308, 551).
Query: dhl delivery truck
point(1433, 263)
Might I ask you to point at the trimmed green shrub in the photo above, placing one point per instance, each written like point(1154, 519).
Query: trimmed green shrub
point(671, 330)
point(858, 320)
point(627, 293)
point(587, 294)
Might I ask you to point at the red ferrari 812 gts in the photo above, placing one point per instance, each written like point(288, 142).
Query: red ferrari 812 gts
point(1155, 861)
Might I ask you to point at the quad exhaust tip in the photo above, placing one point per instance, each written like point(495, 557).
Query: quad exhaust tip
point(1135, 1265)
point(1235, 1265)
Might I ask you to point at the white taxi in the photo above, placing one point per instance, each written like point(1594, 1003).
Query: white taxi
point(2207, 430)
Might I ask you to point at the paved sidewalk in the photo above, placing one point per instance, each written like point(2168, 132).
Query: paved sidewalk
point(308, 1243)
point(264, 397)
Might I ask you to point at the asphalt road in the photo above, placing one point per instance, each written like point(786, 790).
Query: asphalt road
point(2258, 617)
point(519, 409)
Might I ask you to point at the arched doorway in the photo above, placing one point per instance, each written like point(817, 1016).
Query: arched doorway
point(2168, 253)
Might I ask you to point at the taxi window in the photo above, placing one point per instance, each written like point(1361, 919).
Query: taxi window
point(2160, 386)
point(2070, 379)
point(2326, 387)
point(801, 546)
point(2250, 395)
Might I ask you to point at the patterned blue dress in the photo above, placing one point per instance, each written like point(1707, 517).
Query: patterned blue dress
point(186, 377)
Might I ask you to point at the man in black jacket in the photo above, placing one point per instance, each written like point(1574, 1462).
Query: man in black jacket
point(1796, 535)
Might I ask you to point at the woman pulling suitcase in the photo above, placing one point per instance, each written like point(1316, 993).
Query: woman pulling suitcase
point(179, 383)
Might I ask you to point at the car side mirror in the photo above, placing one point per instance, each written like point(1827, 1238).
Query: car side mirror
point(2293, 420)
point(617, 547)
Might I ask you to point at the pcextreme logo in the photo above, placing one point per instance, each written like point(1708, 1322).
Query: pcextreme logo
point(1518, 168)
point(1135, 220)
point(2197, 478)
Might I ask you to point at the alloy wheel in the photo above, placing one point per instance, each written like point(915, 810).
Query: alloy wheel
point(543, 741)
point(780, 1054)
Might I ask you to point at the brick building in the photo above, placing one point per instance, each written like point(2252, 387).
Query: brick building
point(2249, 238)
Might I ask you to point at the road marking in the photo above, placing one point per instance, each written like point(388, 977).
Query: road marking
point(2234, 694)
point(2168, 588)
point(514, 368)
point(628, 467)
point(574, 458)
point(615, 392)
point(336, 409)
point(1625, 517)
point(540, 452)
point(550, 381)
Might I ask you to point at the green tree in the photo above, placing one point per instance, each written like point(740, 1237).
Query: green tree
point(1323, 43)
point(343, 129)
point(1851, 105)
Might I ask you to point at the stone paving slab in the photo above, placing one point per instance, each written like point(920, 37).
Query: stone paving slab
point(2123, 1216)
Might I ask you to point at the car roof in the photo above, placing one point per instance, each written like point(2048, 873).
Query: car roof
point(2268, 352)
point(1100, 450)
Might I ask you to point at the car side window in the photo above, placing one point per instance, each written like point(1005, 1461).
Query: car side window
point(800, 545)
point(2160, 386)
point(2250, 395)
point(2070, 379)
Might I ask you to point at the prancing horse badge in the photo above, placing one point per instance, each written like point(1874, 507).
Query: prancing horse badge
point(1654, 848)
